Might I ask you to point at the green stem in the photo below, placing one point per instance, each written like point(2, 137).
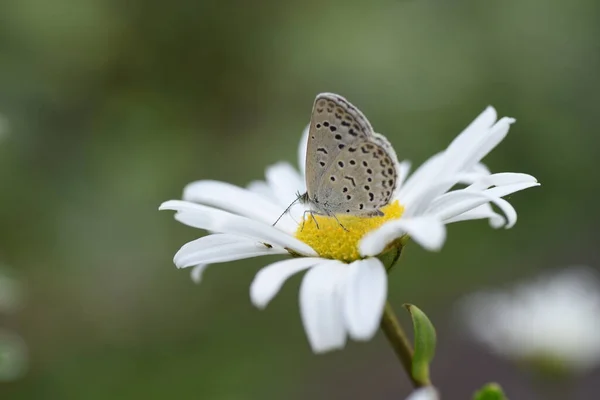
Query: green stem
point(400, 343)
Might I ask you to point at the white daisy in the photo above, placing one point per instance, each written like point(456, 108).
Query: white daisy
point(552, 322)
point(424, 393)
point(344, 291)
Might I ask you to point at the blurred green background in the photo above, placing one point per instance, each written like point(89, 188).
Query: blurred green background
point(114, 106)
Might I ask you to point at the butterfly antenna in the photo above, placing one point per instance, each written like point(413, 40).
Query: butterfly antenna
point(298, 196)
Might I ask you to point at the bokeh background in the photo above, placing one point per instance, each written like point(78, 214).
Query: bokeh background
point(112, 107)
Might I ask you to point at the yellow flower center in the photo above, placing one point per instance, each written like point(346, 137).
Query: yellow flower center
point(331, 240)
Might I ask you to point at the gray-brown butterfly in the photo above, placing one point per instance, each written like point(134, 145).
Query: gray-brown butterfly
point(350, 169)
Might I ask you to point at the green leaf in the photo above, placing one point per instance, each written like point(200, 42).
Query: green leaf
point(425, 341)
point(491, 391)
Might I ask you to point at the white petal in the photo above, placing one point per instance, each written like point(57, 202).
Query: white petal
point(464, 158)
point(496, 135)
point(261, 188)
point(286, 220)
point(502, 179)
point(208, 241)
point(423, 200)
point(364, 298)
point(285, 182)
point(459, 201)
point(233, 199)
point(505, 182)
point(321, 306)
point(463, 155)
point(197, 272)
point(484, 211)
point(428, 231)
point(505, 190)
point(202, 217)
point(453, 159)
point(481, 168)
point(472, 133)
point(302, 147)
point(421, 178)
point(434, 165)
point(221, 248)
point(269, 280)
point(424, 393)
point(403, 171)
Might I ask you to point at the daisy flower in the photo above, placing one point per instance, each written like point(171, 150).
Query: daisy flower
point(345, 288)
point(551, 323)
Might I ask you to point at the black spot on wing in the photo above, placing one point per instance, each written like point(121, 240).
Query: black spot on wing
point(351, 179)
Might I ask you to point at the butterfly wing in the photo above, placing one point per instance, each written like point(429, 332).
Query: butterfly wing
point(361, 180)
point(335, 124)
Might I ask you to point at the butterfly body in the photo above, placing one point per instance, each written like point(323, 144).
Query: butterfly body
point(350, 169)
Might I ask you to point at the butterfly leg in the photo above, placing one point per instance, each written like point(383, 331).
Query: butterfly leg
point(339, 223)
point(312, 214)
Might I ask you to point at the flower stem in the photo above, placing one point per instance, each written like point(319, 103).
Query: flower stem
point(400, 343)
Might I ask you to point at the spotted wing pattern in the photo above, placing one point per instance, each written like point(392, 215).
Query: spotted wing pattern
point(334, 125)
point(349, 168)
point(360, 181)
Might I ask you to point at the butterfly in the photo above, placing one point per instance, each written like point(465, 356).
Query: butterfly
point(350, 169)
